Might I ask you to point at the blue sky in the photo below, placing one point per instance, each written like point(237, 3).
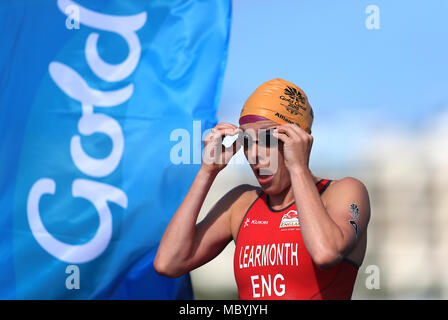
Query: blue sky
point(358, 81)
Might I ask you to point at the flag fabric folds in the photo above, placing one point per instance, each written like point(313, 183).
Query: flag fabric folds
point(90, 94)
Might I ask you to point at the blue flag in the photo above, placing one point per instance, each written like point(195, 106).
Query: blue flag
point(90, 95)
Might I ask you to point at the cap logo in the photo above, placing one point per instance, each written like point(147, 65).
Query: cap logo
point(295, 99)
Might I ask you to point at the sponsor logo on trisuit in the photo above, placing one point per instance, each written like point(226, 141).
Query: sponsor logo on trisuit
point(253, 221)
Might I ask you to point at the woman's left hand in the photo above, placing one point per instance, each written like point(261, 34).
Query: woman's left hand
point(297, 145)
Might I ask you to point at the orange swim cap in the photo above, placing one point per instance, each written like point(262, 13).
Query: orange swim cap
point(280, 101)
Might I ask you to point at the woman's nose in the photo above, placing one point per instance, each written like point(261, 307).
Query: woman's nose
point(252, 153)
point(257, 154)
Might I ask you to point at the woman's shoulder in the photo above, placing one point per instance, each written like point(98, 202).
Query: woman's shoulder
point(243, 195)
point(350, 183)
point(245, 191)
point(346, 189)
point(246, 187)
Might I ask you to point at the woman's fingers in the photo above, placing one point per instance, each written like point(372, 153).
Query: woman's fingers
point(299, 131)
point(224, 128)
point(296, 133)
point(215, 155)
point(220, 133)
point(289, 131)
point(280, 134)
point(224, 125)
point(215, 140)
point(234, 147)
point(217, 134)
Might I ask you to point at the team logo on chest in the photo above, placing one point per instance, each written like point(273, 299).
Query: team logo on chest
point(290, 219)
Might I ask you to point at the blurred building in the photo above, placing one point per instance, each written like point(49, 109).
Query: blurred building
point(406, 173)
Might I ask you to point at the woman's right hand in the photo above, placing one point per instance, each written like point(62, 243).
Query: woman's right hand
point(215, 155)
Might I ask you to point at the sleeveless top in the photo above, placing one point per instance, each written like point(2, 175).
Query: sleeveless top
point(272, 262)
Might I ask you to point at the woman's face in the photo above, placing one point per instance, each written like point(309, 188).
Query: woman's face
point(265, 156)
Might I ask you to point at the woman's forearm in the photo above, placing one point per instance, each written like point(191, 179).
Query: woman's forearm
point(178, 239)
point(320, 233)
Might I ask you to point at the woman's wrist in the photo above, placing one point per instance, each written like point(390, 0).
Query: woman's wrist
point(208, 173)
point(299, 171)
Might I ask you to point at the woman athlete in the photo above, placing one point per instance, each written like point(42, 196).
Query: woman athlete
point(297, 236)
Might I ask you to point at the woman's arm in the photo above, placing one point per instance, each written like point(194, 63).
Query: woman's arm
point(185, 245)
point(329, 232)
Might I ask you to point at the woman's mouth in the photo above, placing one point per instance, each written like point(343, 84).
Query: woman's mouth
point(264, 176)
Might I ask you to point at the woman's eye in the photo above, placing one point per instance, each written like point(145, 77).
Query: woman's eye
point(263, 138)
point(246, 140)
point(268, 139)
